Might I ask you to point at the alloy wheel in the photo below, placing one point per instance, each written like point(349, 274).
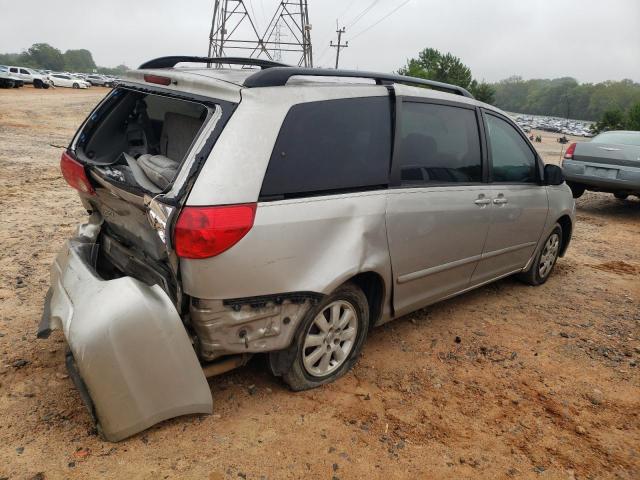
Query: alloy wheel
point(330, 339)
point(549, 255)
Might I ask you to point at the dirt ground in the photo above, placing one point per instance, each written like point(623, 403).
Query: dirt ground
point(544, 382)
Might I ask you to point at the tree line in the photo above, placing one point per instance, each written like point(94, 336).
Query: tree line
point(612, 104)
point(44, 56)
point(565, 97)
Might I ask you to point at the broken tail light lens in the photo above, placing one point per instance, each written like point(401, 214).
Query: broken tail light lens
point(75, 174)
point(204, 232)
point(568, 155)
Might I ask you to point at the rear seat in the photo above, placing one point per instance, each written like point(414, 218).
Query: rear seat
point(178, 132)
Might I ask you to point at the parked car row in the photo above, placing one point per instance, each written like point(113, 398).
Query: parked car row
point(16, 77)
point(577, 128)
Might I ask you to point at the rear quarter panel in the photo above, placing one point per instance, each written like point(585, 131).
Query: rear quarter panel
point(305, 245)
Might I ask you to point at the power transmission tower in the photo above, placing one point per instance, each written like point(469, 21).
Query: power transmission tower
point(233, 28)
point(277, 47)
point(338, 46)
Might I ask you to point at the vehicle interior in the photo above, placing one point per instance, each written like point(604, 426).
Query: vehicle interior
point(141, 139)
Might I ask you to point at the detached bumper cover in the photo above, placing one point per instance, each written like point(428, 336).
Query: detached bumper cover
point(128, 342)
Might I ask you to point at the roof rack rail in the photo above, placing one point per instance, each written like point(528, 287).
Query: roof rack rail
point(169, 62)
point(279, 76)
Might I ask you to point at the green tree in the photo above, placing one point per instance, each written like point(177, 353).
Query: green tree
point(119, 70)
point(43, 55)
point(447, 68)
point(611, 120)
point(79, 61)
point(433, 65)
point(633, 118)
point(560, 96)
point(9, 58)
point(483, 91)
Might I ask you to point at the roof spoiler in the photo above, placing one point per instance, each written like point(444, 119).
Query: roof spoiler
point(274, 74)
point(277, 76)
point(170, 62)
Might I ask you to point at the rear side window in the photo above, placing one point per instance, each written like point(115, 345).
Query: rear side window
point(439, 144)
point(512, 160)
point(331, 146)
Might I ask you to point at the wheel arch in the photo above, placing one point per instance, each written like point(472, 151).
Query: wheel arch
point(373, 286)
point(567, 231)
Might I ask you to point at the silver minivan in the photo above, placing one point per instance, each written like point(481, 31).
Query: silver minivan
point(280, 211)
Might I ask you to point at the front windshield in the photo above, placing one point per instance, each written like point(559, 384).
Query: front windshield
point(618, 138)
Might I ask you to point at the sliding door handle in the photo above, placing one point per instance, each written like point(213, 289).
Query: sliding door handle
point(483, 201)
point(500, 201)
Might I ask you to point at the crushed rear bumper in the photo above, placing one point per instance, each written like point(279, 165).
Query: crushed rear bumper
point(127, 341)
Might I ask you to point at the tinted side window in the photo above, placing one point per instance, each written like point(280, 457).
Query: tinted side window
point(331, 146)
point(439, 144)
point(512, 159)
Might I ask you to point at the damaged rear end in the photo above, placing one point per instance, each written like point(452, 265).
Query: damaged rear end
point(115, 287)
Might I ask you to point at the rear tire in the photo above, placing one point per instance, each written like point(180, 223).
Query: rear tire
point(328, 341)
point(621, 196)
point(75, 85)
point(545, 259)
point(576, 189)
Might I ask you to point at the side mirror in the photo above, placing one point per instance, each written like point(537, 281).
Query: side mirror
point(553, 175)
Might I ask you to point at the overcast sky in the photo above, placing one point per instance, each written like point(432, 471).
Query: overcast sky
point(591, 40)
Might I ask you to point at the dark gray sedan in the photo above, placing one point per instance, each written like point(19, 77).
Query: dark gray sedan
point(610, 162)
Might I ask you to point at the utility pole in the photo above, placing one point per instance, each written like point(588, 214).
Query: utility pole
point(339, 45)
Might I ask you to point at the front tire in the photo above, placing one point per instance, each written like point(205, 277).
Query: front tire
point(545, 259)
point(328, 341)
point(75, 85)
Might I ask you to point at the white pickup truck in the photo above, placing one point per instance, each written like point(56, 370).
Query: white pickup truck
point(8, 79)
point(30, 76)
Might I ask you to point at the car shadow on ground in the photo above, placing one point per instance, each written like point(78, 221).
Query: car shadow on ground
point(609, 206)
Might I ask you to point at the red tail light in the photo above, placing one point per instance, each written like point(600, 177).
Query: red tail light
point(203, 232)
point(568, 155)
point(75, 174)
point(157, 79)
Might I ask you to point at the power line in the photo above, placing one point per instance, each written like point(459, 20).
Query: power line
point(381, 20)
point(344, 12)
point(363, 13)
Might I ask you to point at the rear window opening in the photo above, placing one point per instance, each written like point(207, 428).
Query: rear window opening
point(140, 139)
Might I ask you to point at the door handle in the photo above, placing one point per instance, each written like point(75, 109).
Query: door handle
point(483, 201)
point(500, 201)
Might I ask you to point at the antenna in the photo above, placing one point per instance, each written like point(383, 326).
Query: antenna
point(233, 29)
